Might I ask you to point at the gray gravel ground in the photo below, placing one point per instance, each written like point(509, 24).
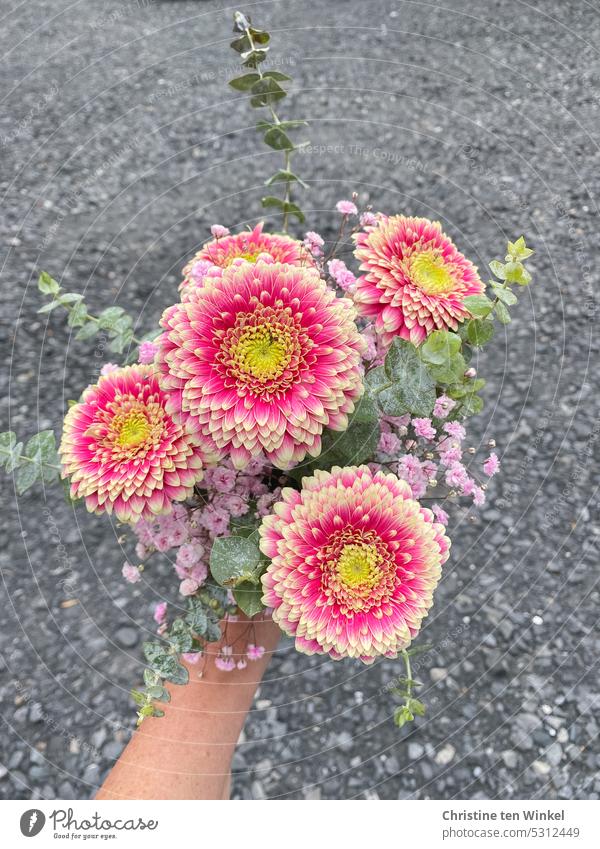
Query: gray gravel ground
point(120, 144)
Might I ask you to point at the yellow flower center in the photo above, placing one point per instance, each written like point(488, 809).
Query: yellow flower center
point(260, 353)
point(249, 256)
point(134, 430)
point(358, 565)
point(431, 273)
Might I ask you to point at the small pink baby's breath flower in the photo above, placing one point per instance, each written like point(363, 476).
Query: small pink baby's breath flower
point(191, 656)
point(189, 555)
point(235, 505)
point(440, 514)
point(141, 550)
point(368, 219)
point(218, 231)
point(471, 373)
point(199, 573)
point(188, 587)
point(389, 444)
point(147, 352)
point(491, 465)
point(478, 497)
point(160, 612)
point(341, 274)
point(131, 573)
point(443, 406)
point(313, 243)
point(215, 521)
point(222, 479)
point(254, 652)
point(455, 429)
point(424, 428)
point(346, 207)
point(107, 368)
point(255, 467)
point(456, 476)
point(371, 350)
point(199, 270)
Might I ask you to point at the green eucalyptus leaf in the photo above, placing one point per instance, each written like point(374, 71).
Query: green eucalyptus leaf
point(440, 346)
point(47, 284)
point(479, 331)
point(78, 315)
point(259, 36)
point(70, 298)
point(449, 372)
point(242, 44)
point(253, 58)
point(507, 296)
point(293, 209)
point(49, 307)
point(498, 269)
point(478, 305)
point(272, 201)
point(276, 75)
point(518, 250)
point(110, 317)
point(245, 82)
point(234, 559)
point(285, 177)
point(88, 330)
point(278, 139)
point(472, 405)
point(248, 597)
point(517, 273)
point(26, 475)
point(265, 92)
point(502, 314)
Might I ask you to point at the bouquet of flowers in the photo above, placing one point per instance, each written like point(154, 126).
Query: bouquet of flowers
point(278, 437)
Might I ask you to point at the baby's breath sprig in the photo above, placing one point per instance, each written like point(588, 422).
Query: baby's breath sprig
point(266, 91)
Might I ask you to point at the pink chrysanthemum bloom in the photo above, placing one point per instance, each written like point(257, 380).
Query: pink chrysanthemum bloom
point(248, 245)
point(123, 452)
point(415, 279)
point(260, 359)
point(354, 563)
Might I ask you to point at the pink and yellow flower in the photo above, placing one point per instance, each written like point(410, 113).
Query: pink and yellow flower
point(415, 279)
point(123, 452)
point(354, 563)
point(260, 359)
point(249, 246)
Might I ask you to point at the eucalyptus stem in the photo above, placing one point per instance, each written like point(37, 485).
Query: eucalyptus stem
point(265, 91)
point(287, 195)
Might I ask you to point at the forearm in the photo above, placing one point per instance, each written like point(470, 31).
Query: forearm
point(187, 753)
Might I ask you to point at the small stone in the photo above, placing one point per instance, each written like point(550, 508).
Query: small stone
point(438, 673)
point(554, 754)
point(36, 712)
point(445, 755)
point(510, 758)
point(126, 637)
point(541, 768)
point(415, 751)
point(345, 741)
point(112, 750)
